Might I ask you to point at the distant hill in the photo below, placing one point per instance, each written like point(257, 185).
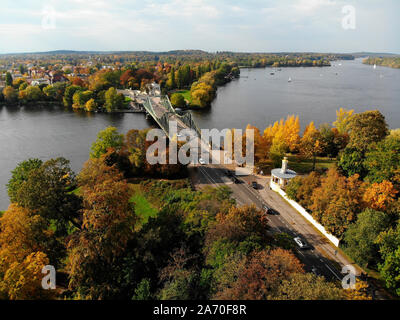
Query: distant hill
point(69, 52)
point(375, 54)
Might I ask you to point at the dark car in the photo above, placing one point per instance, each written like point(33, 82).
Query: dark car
point(234, 179)
point(254, 185)
point(228, 173)
point(267, 210)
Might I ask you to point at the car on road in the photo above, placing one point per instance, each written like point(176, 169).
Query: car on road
point(235, 180)
point(202, 161)
point(267, 210)
point(228, 173)
point(254, 185)
point(301, 243)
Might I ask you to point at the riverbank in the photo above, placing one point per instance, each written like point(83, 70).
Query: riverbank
point(393, 62)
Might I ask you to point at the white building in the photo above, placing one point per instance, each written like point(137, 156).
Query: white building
point(281, 176)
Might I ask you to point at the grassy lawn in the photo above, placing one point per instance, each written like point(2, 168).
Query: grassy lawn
point(300, 166)
point(186, 95)
point(143, 208)
point(305, 166)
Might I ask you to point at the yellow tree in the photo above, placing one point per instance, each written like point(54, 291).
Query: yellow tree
point(291, 131)
point(22, 280)
point(310, 143)
point(360, 292)
point(23, 239)
point(343, 117)
point(379, 196)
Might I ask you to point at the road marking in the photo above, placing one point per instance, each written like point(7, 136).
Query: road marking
point(332, 271)
point(301, 253)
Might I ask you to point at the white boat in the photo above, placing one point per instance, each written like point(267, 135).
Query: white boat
point(375, 66)
point(290, 80)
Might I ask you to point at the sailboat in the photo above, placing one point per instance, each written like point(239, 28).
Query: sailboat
point(375, 66)
point(290, 80)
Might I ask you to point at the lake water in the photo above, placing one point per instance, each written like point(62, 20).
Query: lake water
point(257, 98)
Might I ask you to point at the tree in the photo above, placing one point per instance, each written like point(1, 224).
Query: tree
point(113, 100)
point(177, 100)
point(291, 131)
point(310, 144)
point(47, 192)
point(389, 248)
point(343, 118)
point(90, 105)
point(107, 138)
point(19, 175)
point(202, 94)
point(69, 94)
point(22, 281)
point(360, 292)
point(308, 287)
point(336, 202)
point(360, 237)
point(382, 161)
point(351, 162)
point(10, 94)
point(108, 224)
point(239, 224)
point(366, 128)
point(9, 79)
point(171, 84)
point(301, 188)
point(261, 277)
point(380, 196)
point(80, 98)
point(31, 94)
point(23, 243)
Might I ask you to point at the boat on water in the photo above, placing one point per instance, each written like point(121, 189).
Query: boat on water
point(272, 73)
point(375, 66)
point(289, 80)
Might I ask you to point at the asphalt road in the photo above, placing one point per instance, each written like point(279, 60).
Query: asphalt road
point(244, 194)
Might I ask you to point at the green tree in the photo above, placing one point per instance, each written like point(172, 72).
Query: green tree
point(360, 238)
point(9, 79)
point(351, 162)
point(19, 175)
point(142, 292)
point(177, 100)
point(47, 192)
point(106, 139)
point(113, 100)
point(366, 128)
point(383, 160)
point(69, 93)
point(389, 248)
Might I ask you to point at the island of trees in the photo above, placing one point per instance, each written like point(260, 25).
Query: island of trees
point(392, 62)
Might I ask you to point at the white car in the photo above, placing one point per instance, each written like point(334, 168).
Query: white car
point(201, 161)
point(300, 243)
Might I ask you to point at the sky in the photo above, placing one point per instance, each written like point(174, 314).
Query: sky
point(210, 25)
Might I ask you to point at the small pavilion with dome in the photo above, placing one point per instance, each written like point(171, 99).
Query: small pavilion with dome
point(280, 177)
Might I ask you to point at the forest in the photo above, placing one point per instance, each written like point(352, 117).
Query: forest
point(392, 62)
point(124, 229)
point(355, 196)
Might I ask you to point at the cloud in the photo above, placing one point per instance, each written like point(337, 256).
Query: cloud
point(311, 6)
point(237, 25)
